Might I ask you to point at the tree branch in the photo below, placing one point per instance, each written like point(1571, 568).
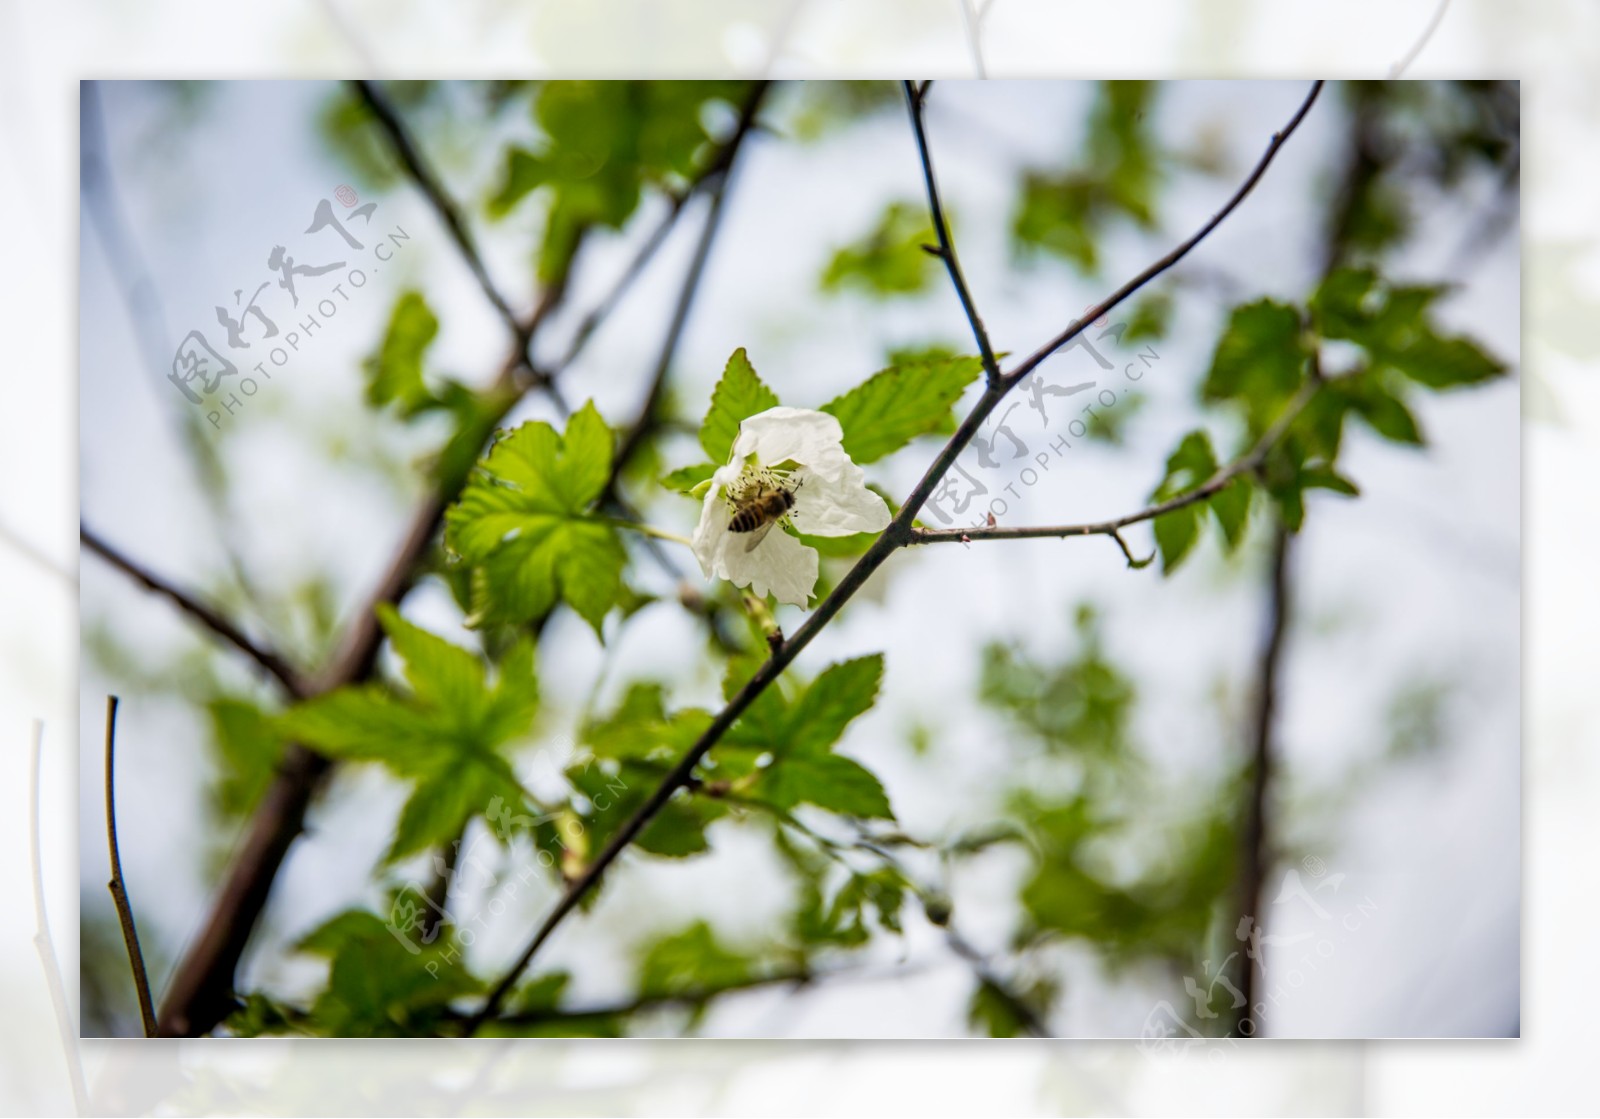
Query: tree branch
point(423, 175)
point(201, 991)
point(1111, 301)
point(1249, 463)
point(1255, 854)
point(118, 887)
point(898, 534)
point(275, 665)
point(941, 228)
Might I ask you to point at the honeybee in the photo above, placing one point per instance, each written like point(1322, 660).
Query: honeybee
point(756, 511)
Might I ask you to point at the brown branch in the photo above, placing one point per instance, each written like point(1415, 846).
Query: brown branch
point(1218, 481)
point(898, 534)
point(44, 943)
point(201, 991)
point(915, 98)
point(117, 885)
point(275, 665)
point(425, 178)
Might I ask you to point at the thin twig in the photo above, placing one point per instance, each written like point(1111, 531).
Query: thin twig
point(1218, 481)
point(1106, 305)
point(44, 943)
point(941, 229)
point(275, 665)
point(898, 534)
point(117, 885)
point(423, 175)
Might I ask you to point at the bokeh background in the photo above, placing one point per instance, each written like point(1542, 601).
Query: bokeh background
point(1101, 1078)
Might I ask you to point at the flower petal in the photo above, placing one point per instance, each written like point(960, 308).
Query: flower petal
point(778, 435)
point(837, 506)
point(779, 565)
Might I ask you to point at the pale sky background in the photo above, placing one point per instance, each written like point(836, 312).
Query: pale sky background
point(1415, 583)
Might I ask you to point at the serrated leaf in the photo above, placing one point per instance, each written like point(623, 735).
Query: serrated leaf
point(525, 522)
point(897, 404)
point(739, 395)
point(445, 735)
point(829, 781)
point(843, 692)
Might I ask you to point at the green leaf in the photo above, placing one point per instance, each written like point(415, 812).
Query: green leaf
point(1259, 360)
point(1441, 363)
point(843, 692)
point(889, 260)
point(526, 523)
point(1068, 215)
point(1231, 507)
point(603, 143)
point(1326, 478)
point(1383, 411)
point(394, 374)
point(829, 781)
point(686, 478)
point(738, 395)
point(1394, 325)
point(446, 734)
point(1151, 317)
point(1176, 533)
point(689, 960)
point(382, 980)
point(249, 745)
point(897, 404)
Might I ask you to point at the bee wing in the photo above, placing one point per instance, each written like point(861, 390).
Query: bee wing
point(758, 535)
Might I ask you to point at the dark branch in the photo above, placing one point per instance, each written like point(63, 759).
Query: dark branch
point(118, 887)
point(898, 534)
point(199, 611)
point(423, 175)
point(941, 229)
point(1218, 481)
point(1255, 853)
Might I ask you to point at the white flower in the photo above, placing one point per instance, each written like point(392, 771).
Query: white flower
point(797, 450)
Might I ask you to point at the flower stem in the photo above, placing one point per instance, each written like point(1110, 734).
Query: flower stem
point(648, 530)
